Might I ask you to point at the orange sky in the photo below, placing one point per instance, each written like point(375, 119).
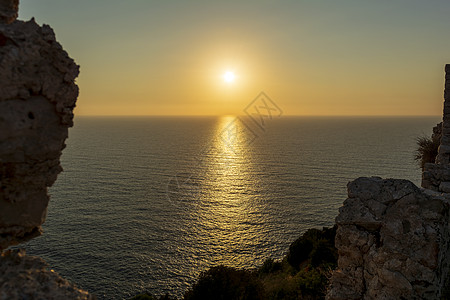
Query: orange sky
point(311, 58)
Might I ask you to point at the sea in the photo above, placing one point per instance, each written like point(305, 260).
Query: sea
point(145, 204)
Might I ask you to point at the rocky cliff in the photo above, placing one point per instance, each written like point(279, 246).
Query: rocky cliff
point(37, 97)
point(27, 277)
point(436, 176)
point(393, 241)
point(393, 238)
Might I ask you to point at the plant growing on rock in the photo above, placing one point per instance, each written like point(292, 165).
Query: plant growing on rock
point(428, 146)
point(302, 274)
point(226, 283)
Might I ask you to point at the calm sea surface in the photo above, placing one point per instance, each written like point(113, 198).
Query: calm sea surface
point(146, 204)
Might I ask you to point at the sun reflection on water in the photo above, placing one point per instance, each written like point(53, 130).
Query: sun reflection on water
point(232, 214)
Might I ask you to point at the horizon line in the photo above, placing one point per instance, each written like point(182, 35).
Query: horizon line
point(243, 115)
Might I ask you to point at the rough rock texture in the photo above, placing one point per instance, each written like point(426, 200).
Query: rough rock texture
point(8, 11)
point(37, 97)
point(436, 176)
point(443, 156)
point(437, 132)
point(33, 279)
point(393, 242)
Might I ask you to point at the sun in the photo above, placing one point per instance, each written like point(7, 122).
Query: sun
point(229, 77)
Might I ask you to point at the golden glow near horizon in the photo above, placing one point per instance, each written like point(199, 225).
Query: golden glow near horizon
point(313, 57)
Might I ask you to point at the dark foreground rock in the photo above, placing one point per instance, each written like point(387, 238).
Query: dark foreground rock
point(27, 277)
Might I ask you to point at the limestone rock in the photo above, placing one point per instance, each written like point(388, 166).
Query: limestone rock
point(37, 97)
point(26, 277)
point(444, 186)
point(434, 174)
point(393, 241)
point(34, 63)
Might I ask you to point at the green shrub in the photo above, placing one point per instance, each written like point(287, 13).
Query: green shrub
point(299, 251)
point(324, 253)
point(427, 151)
point(270, 266)
point(148, 296)
point(226, 283)
point(312, 283)
point(283, 294)
point(144, 297)
point(314, 244)
point(302, 274)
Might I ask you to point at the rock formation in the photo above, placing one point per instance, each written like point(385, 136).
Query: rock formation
point(443, 156)
point(8, 11)
point(37, 97)
point(436, 176)
point(393, 238)
point(25, 277)
point(393, 241)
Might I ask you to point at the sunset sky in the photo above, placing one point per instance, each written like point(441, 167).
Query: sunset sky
point(311, 57)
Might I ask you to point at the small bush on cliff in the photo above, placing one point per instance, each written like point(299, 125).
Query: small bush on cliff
point(299, 251)
point(315, 246)
point(226, 283)
point(312, 283)
point(270, 266)
point(302, 274)
point(148, 296)
point(428, 147)
point(324, 253)
point(427, 151)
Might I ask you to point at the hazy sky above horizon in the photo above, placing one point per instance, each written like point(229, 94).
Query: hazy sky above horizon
point(311, 57)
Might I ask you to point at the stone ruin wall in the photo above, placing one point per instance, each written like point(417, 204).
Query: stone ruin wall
point(37, 98)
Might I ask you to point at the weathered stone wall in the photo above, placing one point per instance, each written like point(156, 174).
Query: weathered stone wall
point(393, 242)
